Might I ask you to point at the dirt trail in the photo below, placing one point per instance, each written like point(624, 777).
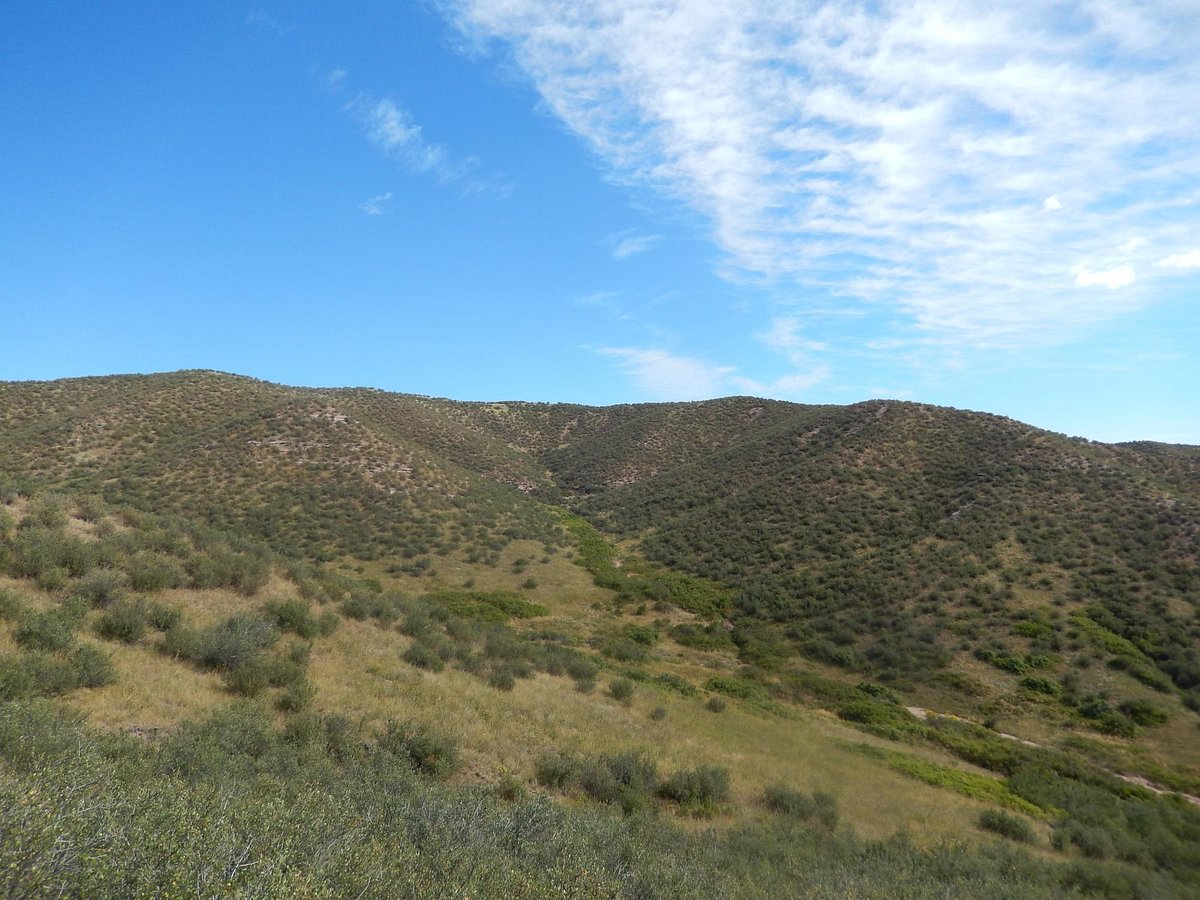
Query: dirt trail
point(921, 713)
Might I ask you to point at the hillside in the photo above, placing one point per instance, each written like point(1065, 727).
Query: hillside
point(762, 617)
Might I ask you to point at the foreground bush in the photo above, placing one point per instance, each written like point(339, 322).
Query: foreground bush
point(230, 805)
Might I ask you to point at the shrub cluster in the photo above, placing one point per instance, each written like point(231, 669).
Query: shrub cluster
point(631, 780)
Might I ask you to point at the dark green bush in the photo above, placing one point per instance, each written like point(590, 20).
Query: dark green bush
point(1145, 713)
point(423, 656)
point(700, 790)
point(1009, 826)
point(162, 617)
point(226, 645)
point(1039, 684)
point(35, 674)
point(101, 588)
point(296, 697)
point(125, 621)
point(502, 678)
point(92, 666)
point(676, 683)
point(621, 690)
point(425, 750)
point(50, 630)
point(328, 622)
point(715, 705)
point(624, 650)
point(155, 572)
point(733, 686)
point(292, 615)
point(11, 606)
point(556, 770)
point(787, 801)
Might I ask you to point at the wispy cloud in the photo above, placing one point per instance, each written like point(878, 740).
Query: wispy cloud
point(661, 375)
point(630, 243)
point(391, 129)
point(1189, 260)
point(895, 153)
point(376, 205)
point(1119, 277)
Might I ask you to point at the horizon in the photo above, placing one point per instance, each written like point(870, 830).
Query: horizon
point(502, 400)
point(615, 202)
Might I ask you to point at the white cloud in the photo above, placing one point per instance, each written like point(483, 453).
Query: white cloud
point(900, 153)
point(392, 130)
point(787, 387)
point(1189, 260)
point(634, 244)
point(375, 206)
point(1121, 276)
point(661, 375)
point(1132, 244)
point(394, 133)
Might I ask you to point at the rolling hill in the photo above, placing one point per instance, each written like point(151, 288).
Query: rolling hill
point(741, 610)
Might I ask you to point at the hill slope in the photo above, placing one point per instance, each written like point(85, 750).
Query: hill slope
point(690, 608)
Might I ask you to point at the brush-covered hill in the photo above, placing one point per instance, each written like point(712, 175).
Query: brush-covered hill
point(754, 613)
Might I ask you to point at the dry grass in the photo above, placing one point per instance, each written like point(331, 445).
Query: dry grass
point(360, 668)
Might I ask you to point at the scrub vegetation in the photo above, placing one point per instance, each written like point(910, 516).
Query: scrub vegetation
point(264, 641)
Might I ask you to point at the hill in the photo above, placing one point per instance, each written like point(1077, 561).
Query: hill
point(756, 613)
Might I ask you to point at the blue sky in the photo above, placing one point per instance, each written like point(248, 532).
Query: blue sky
point(603, 202)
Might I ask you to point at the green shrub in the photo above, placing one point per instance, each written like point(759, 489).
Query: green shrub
point(125, 621)
point(1143, 712)
point(1039, 684)
point(53, 579)
point(426, 751)
point(35, 674)
point(328, 622)
point(162, 617)
point(676, 683)
point(556, 770)
point(155, 572)
point(624, 650)
point(646, 635)
point(292, 615)
point(874, 713)
point(50, 630)
point(92, 666)
point(49, 511)
point(658, 713)
point(249, 679)
point(621, 690)
point(101, 588)
point(502, 678)
point(699, 790)
point(296, 697)
point(423, 656)
point(715, 705)
point(232, 642)
point(11, 606)
point(733, 686)
point(1009, 826)
point(819, 806)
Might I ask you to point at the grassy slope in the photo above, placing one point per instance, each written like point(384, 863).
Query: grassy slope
point(734, 478)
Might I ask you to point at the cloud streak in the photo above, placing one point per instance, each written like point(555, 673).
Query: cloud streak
point(980, 169)
point(662, 375)
point(392, 131)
